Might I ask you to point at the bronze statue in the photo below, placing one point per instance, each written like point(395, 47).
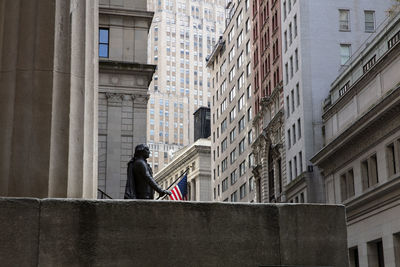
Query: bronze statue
point(140, 183)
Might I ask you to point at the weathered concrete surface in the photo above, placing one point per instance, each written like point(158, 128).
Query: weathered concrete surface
point(161, 233)
point(19, 231)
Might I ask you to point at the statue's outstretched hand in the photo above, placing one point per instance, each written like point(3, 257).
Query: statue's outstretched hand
point(166, 192)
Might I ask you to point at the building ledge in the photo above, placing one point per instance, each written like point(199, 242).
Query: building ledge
point(217, 47)
point(390, 101)
point(125, 12)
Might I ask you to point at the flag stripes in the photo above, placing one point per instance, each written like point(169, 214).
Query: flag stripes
point(179, 191)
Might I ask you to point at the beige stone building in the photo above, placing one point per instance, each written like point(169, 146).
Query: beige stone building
point(48, 98)
point(124, 77)
point(360, 159)
point(181, 36)
point(195, 158)
point(231, 108)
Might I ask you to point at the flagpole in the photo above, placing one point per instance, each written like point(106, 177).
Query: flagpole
point(174, 183)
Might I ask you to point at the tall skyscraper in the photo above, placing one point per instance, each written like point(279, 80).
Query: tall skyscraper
point(182, 35)
point(319, 36)
point(231, 109)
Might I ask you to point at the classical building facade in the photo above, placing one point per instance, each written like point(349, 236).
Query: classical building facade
point(196, 160)
point(231, 108)
point(181, 36)
point(124, 77)
point(269, 145)
point(360, 160)
point(48, 98)
point(318, 37)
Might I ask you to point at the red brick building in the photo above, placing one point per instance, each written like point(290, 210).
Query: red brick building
point(268, 100)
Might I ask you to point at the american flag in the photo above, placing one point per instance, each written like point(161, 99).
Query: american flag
point(179, 191)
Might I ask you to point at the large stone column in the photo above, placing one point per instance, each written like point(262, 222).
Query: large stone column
point(48, 96)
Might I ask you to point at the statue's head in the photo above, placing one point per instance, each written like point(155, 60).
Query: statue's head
point(142, 151)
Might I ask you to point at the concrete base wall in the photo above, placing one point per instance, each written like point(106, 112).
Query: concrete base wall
point(57, 232)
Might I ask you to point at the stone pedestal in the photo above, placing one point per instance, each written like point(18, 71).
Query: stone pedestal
point(48, 98)
point(170, 233)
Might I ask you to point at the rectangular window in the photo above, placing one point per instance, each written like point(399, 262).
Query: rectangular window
point(396, 244)
point(232, 115)
point(369, 21)
point(242, 168)
point(298, 128)
point(344, 20)
point(369, 172)
point(298, 94)
point(224, 184)
point(249, 91)
point(242, 190)
point(249, 114)
point(296, 60)
point(301, 162)
point(224, 145)
point(295, 25)
point(241, 146)
point(285, 40)
point(294, 133)
point(232, 94)
point(287, 107)
point(250, 137)
point(233, 156)
point(241, 103)
point(251, 184)
point(292, 96)
point(241, 124)
point(231, 74)
point(231, 34)
point(392, 158)
point(290, 171)
point(347, 185)
point(234, 177)
point(289, 139)
point(234, 197)
point(104, 42)
point(353, 257)
point(291, 66)
point(375, 253)
point(231, 53)
point(295, 166)
point(344, 53)
point(224, 164)
point(248, 47)
point(232, 135)
point(287, 73)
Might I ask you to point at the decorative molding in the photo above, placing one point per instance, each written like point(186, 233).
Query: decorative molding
point(140, 98)
point(114, 99)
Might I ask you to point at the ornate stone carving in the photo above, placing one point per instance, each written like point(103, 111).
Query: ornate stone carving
point(114, 99)
point(140, 98)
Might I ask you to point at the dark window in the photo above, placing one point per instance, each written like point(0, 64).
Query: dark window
point(104, 41)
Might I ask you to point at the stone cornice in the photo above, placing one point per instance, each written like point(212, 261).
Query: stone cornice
point(105, 10)
point(390, 102)
point(130, 68)
point(301, 179)
point(183, 160)
point(375, 198)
